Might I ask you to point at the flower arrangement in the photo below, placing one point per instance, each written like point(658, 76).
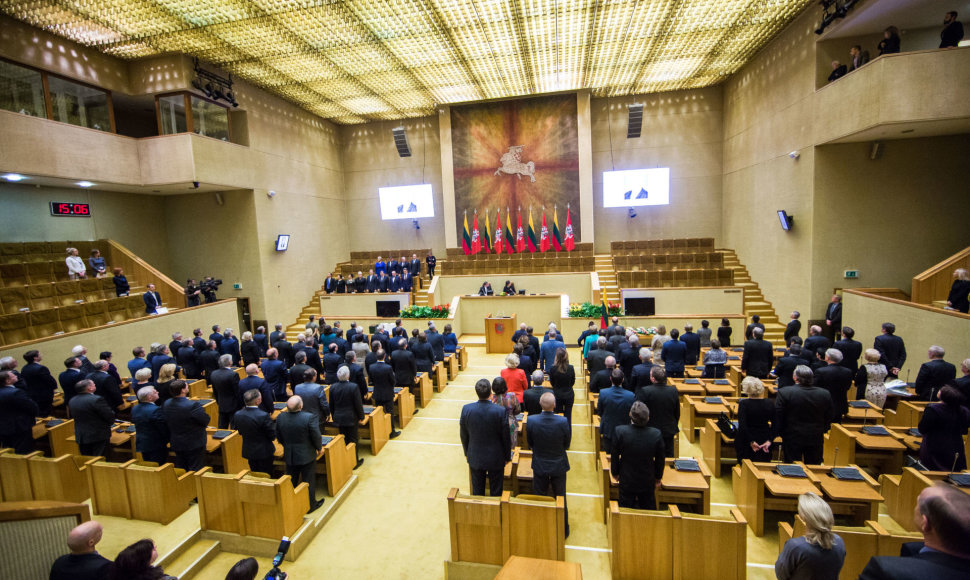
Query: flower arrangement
point(590, 310)
point(440, 311)
point(652, 330)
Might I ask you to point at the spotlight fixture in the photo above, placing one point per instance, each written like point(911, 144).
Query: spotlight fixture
point(215, 87)
point(833, 10)
point(84, 184)
point(794, 154)
point(14, 177)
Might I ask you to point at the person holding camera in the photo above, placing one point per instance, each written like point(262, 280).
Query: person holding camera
point(193, 293)
point(209, 287)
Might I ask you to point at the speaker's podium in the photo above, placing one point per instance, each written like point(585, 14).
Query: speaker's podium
point(498, 333)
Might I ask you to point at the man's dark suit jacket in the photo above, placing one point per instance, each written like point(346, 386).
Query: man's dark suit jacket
point(225, 387)
point(150, 428)
point(230, 346)
point(286, 352)
point(836, 379)
point(188, 359)
point(106, 386)
point(295, 374)
point(802, 414)
point(596, 360)
point(931, 377)
point(250, 352)
point(813, 343)
point(674, 355)
point(274, 371)
point(360, 284)
point(40, 385)
point(640, 377)
point(92, 418)
point(792, 330)
point(17, 411)
point(395, 284)
point(549, 437)
point(209, 363)
point(331, 362)
point(299, 434)
point(152, 301)
point(749, 330)
point(693, 343)
point(87, 367)
point(329, 284)
point(265, 390)
point(358, 378)
point(346, 406)
point(785, 368)
point(393, 266)
point(382, 378)
point(833, 312)
point(423, 356)
point(600, 380)
point(892, 349)
point(437, 343)
point(916, 566)
point(313, 360)
point(530, 399)
point(68, 381)
point(371, 285)
point(628, 359)
point(187, 421)
point(275, 336)
point(90, 566)
point(664, 404)
point(258, 432)
point(415, 267)
point(485, 435)
point(757, 358)
point(963, 385)
point(405, 367)
point(637, 459)
point(158, 361)
point(613, 407)
point(383, 283)
point(200, 344)
point(851, 351)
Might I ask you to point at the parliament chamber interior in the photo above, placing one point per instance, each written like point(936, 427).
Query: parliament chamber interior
point(238, 233)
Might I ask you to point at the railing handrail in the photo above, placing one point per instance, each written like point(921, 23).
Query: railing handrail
point(172, 293)
point(924, 281)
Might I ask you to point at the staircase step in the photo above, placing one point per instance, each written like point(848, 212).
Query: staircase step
point(194, 559)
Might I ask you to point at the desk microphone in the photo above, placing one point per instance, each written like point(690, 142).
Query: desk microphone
point(956, 457)
point(865, 415)
point(835, 461)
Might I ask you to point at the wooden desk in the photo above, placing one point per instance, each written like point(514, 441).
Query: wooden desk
point(906, 414)
point(858, 499)
point(521, 568)
point(691, 489)
point(451, 363)
point(439, 376)
point(498, 333)
point(871, 415)
point(422, 389)
point(403, 400)
point(339, 459)
point(716, 447)
point(694, 411)
point(226, 452)
point(692, 387)
point(757, 488)
point(883, 453)
point(376, 428)
point(462, 357)
point(901, 492)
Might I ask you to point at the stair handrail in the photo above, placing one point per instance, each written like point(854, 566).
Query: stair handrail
point(934, 283)
point(118, 256)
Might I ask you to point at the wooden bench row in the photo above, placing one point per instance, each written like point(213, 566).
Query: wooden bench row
point(669, 261)
point(664, 245)
point(675, 278)
point(35, 324)
point(18, 252)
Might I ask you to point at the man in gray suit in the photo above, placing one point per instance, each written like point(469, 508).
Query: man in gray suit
point(314, 397)
point(299, 434)
point(92, 419)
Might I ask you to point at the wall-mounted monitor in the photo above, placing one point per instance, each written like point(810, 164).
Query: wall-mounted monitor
point(635, 187)
point(640, 306)
point(282, 242)
point(406, 202)
point(785, 219)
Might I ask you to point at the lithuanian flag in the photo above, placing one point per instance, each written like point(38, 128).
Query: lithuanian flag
point(466, 241)
point(531, 239)
point(556, 236)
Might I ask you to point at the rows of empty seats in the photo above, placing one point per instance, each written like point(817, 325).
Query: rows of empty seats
point(665, 246)
point(42, 296)
point(28, 252)
point(701, 260)
point(34, 324)
point(525, 263)
point(675, 278)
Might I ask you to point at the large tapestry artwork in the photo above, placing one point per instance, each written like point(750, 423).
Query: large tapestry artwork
point(519, 154)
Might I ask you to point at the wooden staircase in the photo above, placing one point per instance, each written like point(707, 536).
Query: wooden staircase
point(607, 276)
point(754, 300)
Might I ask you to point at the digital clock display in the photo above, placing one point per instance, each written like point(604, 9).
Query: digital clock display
point(66, 208)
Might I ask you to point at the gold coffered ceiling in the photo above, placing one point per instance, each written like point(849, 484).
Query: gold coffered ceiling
point(356, 60)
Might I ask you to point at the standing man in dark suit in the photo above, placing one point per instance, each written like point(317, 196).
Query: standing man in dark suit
point(674, 355)
point(613, 407)
point(277, 334)
point(757, 356)
point(40, 384)
point(693, 342)
point(549, 437)
point(532, 397)
point(216, 334)
point(84, 562)
point(209, 360)
point(637, 460)
point(803, 413)
point(151, 431)
point(356, 373)
point(160, 359)
point(785, 367)
point(382, 378)
point(254, 382)
point(415, 266)
point(299, 434)
point(329, 284)
point(431, 261)
point(404, 365)
point(393, 267)
point(186, 421)
point(664, 404)
point(360, 283)
point(963, 383)
point(225, 387)
point(383, 282)
point(348, 409)
point(640, 376)
point(407, 282)
point(815, 341)
point(87, 367)
point(187, 358)
point(601, 379)
point(200, 344)
point(436, 341)
point(274, 372)
point(93, 418)
point(106, 386)
point(371, 282)
point(485, 440)
point(932, 376)
point(70, 377)
point(851, 349)
point(596, 359)
point(314, 397)
point(833, 318)
point(943, 515)
point(139, 362)
point(793, 328)
point(258, 432)
point(153, 300)
point(17, 414)
point(331, 362)
point(230, 346)
point(755, 323)
point(285, 351)
point(297, 372)
point(836, 379)
point(892, 349)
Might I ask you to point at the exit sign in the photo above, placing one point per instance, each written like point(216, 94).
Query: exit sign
point(851, 274)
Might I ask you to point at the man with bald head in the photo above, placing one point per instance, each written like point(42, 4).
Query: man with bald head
point(84, 562)
point(299, 433)
point(943, 515)
point(151, 431)
point(549, 437)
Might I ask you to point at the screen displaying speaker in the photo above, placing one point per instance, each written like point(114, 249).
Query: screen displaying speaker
point(406, 202)
point(635, 187)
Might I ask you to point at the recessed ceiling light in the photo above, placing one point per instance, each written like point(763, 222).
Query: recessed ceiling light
point(84, 184)
point(14, 177)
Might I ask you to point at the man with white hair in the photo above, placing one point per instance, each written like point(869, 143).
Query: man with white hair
point(253, 381)
point(176, 344)
point(151, 431)
point(84, 562)
point(934, 374)
point(107, 386)
point(299, 434)
point(596, 359)
point(837, 380)
point(963, 383)
point(549, 437)
point(87, 367)
point(347, 408)
point(225, 387)
point(532, 395)
point(518, 333)
point(803, 413)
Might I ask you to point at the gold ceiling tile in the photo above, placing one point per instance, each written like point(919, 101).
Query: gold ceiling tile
point(260, 37)
point(337, 89)
point(129, 50)
point(208, 13)
point(257, 72)
point(364, 105)
point(305, 67)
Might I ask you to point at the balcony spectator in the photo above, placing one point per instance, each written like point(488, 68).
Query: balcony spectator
point(97, 264)
point(75, 265)
point(858, 57)
point(959, 298)
point(890, 41)
point(952, 32)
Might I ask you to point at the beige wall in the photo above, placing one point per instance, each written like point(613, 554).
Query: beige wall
point(120, 338)
point(681, 130)
point(889, 218)
point(537, 311)
point(576, 286)
point(711, 301)
point(918, 327)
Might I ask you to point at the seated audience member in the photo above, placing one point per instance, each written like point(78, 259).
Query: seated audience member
point(870, 380)
point(724, 333)
point(508, 401)
point(121, 282)
point(637, 459)
point(943, 426)
point(84, 562)
point(509, 287)
point(486, 289)
point(819, 554)
point(245, 569)
point(959, 297)
point(838, 71)
point(97, 264)
point(952, 32)
point(943, 515)
point(857, 57)
point(753, 439)
point(531, 396)
point(451, 340)
point(135, 563)
point(793, 328)
point(890, 41)
point(714, 360)
point(75, 265)
point(803, 413)
point(515, 378)
point(933, 374)
point(674, 354)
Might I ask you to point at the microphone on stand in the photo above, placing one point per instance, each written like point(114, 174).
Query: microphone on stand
point(835, 461)
point(956, 457)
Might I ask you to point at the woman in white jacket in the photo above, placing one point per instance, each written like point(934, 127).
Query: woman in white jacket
point(75, 265)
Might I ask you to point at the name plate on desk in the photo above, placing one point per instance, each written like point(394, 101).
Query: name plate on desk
point(959, 479)
point(914, 432)
point(791, 471)
point(368, 409)
point(131, 398)
point(713, 400)
point(691, 382)
point(686, 465)
point(279, 406)
point(125, 429)
point(221, 434)
point(734, 358)
point(205, 401)
point(722, 382)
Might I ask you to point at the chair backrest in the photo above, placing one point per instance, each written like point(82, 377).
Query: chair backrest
point(109, 488)
point(476, 528)
point(535, 526)
point(861, 543)
point(13, 299)
point(13, 274)
point(272, 508)
point(15, 484)
point(149, 482)
point(219, 505)
point(44, 323)
point(641, 541)
point(96, 313)
point(710, 547)
point(62, 478)
point(33, 534)
point(72, 318)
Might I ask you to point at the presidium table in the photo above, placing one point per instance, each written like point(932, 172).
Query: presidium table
point(498, 317)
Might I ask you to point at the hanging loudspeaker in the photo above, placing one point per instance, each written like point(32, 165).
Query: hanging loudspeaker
point(401, 142)
point(635, 121)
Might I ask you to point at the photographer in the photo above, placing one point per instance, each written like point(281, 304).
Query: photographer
point(209, 287)
point(193, 293)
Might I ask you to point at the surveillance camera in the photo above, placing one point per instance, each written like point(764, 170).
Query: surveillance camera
point(632, 213)
point(794, 154)
point(271, 194)
point(195, 184)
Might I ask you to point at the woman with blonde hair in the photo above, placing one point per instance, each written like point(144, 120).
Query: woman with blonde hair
point(755, 413)
point(249, 349)
point(75, 265)
point(870, 380)
point(959, 298)
point(820, 553)
point(166, 375)
point(515, 377)
point(657, 344)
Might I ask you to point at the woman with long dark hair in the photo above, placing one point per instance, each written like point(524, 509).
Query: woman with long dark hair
point(562, 376)
point(943, 426)
point(135, 563)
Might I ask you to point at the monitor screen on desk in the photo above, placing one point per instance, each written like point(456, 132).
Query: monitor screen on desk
point(388, 308)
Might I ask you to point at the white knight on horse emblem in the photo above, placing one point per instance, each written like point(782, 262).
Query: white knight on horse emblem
point(512, 164)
